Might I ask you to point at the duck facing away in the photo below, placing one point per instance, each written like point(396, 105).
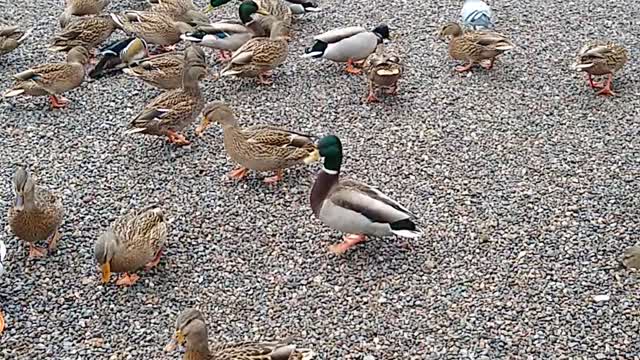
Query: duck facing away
point(134, 240)
point(259, 56)
point(11, 37)
point(36, 214)
point(260, 147)
point(383, 72)
point(476, 15)
point(348, 45)
point(171, 112)
point(163, 71)
point(191, 332)
point(601, 58)
point(353, 207)
point(52, 79)
point(473, 47)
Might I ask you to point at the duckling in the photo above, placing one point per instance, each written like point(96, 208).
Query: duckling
point(36, 214)
point(191, 331)
point(171, 112)
point(601, 58)
point(259, 56)
point(474, 46)
point(52, 79)
point(383, 72)
point(347, 45)
point(260, 148)
point(11, 37)
point(163, 71)
point(119, 54)
point(89, 31)
point(134, 240)
point(476, 15)
point(155, 28)
point(80, 8)
point(353, 207)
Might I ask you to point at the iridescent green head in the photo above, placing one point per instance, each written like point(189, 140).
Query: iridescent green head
point(214, 4)
point(247, 9)
point(330, 149)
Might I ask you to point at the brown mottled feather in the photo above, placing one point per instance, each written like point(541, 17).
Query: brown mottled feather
point(474, 46)
point(604, 57)
point(162, 71)
point(383, 70)
point(88, 31)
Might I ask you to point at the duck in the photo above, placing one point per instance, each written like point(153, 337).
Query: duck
point(601, 58)
point(3, 254)
point(476, 15)
point(80, 8)
point(270, 12)
point(349, 44)
point(36, 214)
point(119, 54)
point(228, 35)
point(163, 71)
point(301, 7)
point(353, 207)
point(52, 79)
point(154, 27)
point(89, 31)
point(180, 10)
point(191, 332)
point(11, 37)
point(172, 111)
point(259, 56)
point(133, 241)
point(631, 258)
point(260, 147)
point(383, 72)
point(474, 47)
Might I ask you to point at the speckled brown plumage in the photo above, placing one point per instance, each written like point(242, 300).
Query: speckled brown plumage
point(474, 46)
point(276, 8)
point(383, 72)
point(162, 71)
point(601, 58)
point(80, 8)
point(11, 37)
point(154, 27)
point(89, 31)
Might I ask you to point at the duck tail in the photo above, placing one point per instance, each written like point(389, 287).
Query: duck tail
point(13, 92)
point(405, 228)
point(134, 130)
point(25, 36)
point(316, 50)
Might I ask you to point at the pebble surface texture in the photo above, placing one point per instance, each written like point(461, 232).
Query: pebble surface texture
point(526, 185)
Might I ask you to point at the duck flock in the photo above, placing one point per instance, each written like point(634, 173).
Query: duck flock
point(251, 46)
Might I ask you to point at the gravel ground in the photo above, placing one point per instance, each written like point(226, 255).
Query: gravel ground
point(525, 184)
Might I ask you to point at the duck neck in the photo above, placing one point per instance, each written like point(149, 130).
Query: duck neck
point(197, 354)
point(327, 178)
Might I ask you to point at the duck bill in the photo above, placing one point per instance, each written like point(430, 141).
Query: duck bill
point(203, 126)
point(19, 205)
point(313, 157)
point(263, 12)
point(106, 272)
point(208, 9)
point(172, 345)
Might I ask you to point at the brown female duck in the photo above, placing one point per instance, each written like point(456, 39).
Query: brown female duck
point(134, 240)
point(89, 31)
point(260, 148)
point(36, 214)
point(601, 58)
point(80, 8)
point(154, 27)
point(473, 47)
point(163, 71)
point(383, 71)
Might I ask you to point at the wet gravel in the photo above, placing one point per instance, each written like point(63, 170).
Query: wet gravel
point(525, 183)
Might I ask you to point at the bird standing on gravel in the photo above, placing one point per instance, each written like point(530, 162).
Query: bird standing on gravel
point(259, 147)
point(476, 15)
point(36, 214)
point(133, 241)
point(154, 27)
point(348, 45)
point(89, 32)
point(80, 8)
point(191, 331)
point(52, 79)
point(353, 207)
point(11, 37)
point(120, 54)
point(383, 72)
point(172, 111)
point(3, 254)
point(601, 58)
point(163, 71)
point(473, 47)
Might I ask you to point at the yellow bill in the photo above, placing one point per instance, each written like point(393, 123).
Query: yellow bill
point(203, 126)
point(208, 9)
point(314, 156)
point(106, 272)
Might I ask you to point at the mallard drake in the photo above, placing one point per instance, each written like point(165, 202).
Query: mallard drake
point(80, 8)
point(52, 79)
point(119, 54)
point(36, 214)
point(134, 240)
point(3, 254)
point(89, 31)
point(383, 72)
point(11, 37)
point(259, 56)
point(154, 27)
point(476, 15)
point(474, 46)
point(601, 58)
point(163, 71)
point(631, 258)
point(261, 147)
point(270, 12)
point(191, 331)
point(169, 113)
point(353, 207)
point(301, 7)
point(347, 45)
point(228, 35)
